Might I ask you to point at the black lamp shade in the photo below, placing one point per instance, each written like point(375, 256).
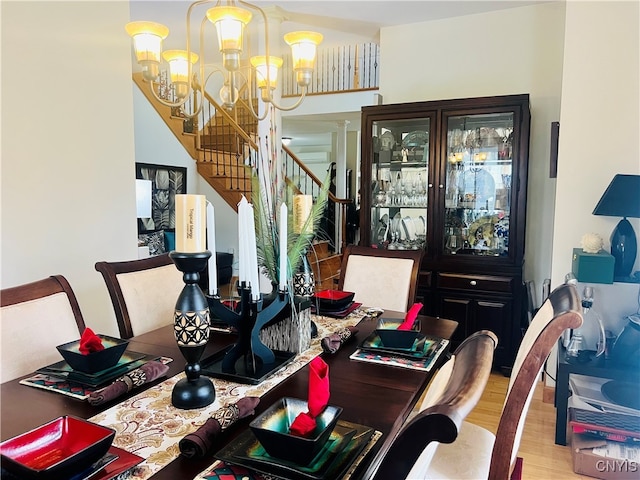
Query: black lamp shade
point(622, 199)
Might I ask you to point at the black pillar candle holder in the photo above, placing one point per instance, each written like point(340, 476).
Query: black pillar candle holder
point(191, 330)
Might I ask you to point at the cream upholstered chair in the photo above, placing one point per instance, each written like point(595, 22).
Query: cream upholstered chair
point(143, 292)
point(36, 317)
point(478, 453)
point(452, 394)
point(379, 277)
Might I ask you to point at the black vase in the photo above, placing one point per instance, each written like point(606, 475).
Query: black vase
point(303, 279)
point(624, 247)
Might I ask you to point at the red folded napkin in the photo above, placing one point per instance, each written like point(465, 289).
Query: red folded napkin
point(200, 442)
point(317, 400)
point(148, 372)
point(331, 343)
point(410, 318)
point(90, 342)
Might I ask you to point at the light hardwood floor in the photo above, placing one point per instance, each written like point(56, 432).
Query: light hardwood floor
point(543, 459)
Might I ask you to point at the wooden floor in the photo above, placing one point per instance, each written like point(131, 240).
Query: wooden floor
point(543, 459)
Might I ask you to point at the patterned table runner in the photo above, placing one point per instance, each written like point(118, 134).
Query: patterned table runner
point(148, 424)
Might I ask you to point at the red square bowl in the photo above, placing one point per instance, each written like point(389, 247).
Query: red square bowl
point(58, 449)
point(333, 300)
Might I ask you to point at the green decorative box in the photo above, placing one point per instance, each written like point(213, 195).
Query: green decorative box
point(592, 267)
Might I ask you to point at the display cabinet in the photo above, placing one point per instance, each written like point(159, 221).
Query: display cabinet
point(450, 177)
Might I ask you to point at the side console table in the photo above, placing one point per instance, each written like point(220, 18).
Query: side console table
point(603, 369)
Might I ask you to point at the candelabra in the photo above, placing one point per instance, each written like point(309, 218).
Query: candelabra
point(249, 360)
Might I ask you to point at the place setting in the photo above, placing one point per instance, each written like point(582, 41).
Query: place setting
point(97, 368)
point(398, 342)
point(66, 447)
point(297, 439)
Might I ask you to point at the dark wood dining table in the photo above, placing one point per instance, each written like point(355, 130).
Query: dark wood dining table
point(378, 396)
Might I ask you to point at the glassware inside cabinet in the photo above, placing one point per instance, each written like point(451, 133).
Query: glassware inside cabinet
point(400, 177)
point(478, 184)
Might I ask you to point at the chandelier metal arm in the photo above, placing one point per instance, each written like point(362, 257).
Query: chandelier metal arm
point(232, 122)
point(295, 105)
point(250, 102)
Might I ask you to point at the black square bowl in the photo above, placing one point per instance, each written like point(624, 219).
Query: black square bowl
point(271, 428)
point(94, 361)
point(391, 337)
point(58, 449)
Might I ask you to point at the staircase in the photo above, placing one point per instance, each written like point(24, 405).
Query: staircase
point(325, 265)
point(223, 144)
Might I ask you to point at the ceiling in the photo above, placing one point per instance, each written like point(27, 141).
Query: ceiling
point(341, 22)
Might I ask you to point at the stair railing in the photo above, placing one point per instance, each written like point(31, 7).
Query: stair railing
point(222, 142)
point(304, 181)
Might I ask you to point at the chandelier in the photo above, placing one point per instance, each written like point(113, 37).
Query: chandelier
point(230, 21)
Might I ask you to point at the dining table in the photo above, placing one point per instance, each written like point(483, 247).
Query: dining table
point(375, 395)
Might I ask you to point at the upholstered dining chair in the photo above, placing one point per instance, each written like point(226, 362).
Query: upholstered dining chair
point(143, 292)
point(36, 317)
point(452, 394)
point(380, 277)
point(479, 454)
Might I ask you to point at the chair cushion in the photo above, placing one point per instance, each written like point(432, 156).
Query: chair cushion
point(389, 290)
point(438, 384)
point(28, 341)
point(469, 457)
point(150, 296)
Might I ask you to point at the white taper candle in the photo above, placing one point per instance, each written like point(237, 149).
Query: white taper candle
point(254, 275)
point(211, 245)
point(282, 233)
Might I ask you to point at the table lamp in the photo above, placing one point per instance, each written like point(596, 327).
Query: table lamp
point(622, 199)
point(143, 201)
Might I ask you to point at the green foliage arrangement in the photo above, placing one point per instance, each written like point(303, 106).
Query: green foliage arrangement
point(267, 221)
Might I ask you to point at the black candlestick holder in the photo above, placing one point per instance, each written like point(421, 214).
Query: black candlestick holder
point(249, 360)
point(191, 330)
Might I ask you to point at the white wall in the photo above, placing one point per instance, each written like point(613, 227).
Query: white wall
point(68, 179)
point(512, 51)
point(599, 128)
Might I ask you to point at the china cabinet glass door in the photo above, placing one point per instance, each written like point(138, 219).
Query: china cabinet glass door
point(400, 179)
point(478, 174)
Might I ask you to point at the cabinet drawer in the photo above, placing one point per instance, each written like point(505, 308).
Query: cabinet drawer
point(485, 283)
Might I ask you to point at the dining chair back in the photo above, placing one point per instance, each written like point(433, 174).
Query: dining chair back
point(36, 317)
point(143, 292)
point(479, 454)
point(562, 310)
point(380, 277)
point(451, 395)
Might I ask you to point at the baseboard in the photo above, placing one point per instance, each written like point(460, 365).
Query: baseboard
point(548, 394)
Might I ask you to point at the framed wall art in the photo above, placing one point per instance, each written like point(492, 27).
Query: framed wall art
point(166, 182)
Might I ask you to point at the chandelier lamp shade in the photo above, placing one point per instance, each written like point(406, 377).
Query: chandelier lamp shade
point(622, 199)
point(189, 71)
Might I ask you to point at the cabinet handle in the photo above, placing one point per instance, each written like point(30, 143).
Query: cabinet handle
point(473, 283)
point(441, 186)
point(430, 185)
